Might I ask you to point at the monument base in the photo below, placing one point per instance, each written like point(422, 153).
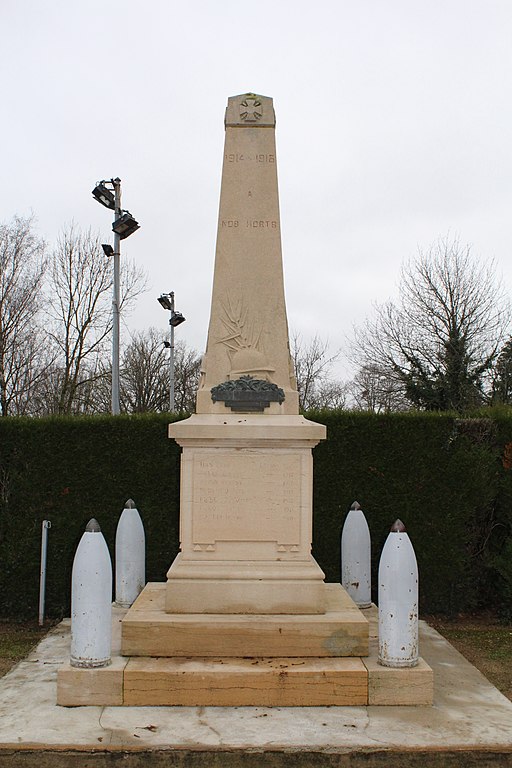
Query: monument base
point(260, 682)
point(275, 678)
point(147, 630)
point(245, 516)
point(251, 587)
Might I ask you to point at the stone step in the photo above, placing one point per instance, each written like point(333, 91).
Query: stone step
point(263, 682)
point(148, 631)
point(245, 682)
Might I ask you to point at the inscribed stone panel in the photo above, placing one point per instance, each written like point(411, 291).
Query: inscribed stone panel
point(247, 496)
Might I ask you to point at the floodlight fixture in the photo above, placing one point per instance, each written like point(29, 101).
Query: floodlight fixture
point(176, 319)
point(165, 301)
point(104, 195)
point(125, 225)
point(108, 193)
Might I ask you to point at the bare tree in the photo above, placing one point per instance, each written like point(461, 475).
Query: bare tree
point(187, 366)
point(88, 398)
point(144, 379)
point(81, 313)
point(145, 374)
point(378, 390)
point(31, 365)
point(441, 340)
point(331, 394)
point(22, 268)
point(313, 366)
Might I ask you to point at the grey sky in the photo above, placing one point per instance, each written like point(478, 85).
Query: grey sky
point(393, 128)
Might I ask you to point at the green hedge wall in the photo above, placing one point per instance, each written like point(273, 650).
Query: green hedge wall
point(441, 475)
point(448, 479)
point(68, 470)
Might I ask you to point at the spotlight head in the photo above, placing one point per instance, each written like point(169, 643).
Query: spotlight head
point(107, 250)
point(104, 195)
point(125, 225)
point(176, 319)
point(165, 301)
point(167, 344)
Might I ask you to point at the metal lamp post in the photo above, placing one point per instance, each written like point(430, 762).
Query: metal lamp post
point(167, 302)
point(108, 193)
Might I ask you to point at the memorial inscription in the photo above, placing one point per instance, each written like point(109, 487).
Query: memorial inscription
point(260, 157)
point(250, 224)
point(246, 497)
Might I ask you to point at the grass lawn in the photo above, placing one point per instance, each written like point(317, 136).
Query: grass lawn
point(481, 639)
point(16, 640)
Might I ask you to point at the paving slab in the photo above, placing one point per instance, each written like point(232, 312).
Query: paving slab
point(469, 724)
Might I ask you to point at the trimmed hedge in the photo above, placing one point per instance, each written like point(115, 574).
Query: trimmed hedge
point(67, 470)
point(439, 474)
point(448, 479)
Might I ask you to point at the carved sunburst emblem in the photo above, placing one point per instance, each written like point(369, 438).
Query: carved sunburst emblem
point(250, 109)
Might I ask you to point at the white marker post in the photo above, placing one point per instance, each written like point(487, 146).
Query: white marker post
point(130, 556)
point(91, 601)
point(46, 525)
point(356, 557)
point(398, 601)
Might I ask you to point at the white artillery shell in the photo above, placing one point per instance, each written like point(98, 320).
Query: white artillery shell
point(130, 556)
point(398, 601)
point(91, 601)
point(356, 557)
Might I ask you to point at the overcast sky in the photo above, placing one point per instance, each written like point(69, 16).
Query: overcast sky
point(393, 129)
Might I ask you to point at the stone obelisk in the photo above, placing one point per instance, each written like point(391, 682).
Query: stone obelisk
point(246, 476)
point(248, 332)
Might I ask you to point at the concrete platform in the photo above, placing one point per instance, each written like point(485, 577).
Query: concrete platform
point(470, 724)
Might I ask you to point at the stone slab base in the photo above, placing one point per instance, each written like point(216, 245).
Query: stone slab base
point(147, 630)
point(102, 686)
point(223, 682)
point(173, 672)
point(245, 682)
point(403, 687)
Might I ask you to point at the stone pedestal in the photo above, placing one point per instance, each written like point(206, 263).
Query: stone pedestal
point(245, 520)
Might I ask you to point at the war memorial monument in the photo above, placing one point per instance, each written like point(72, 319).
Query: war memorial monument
point(245, 617)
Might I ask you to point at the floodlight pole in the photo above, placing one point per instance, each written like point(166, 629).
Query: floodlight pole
point(116, 302)
point(166, 300)
point(171, 357)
